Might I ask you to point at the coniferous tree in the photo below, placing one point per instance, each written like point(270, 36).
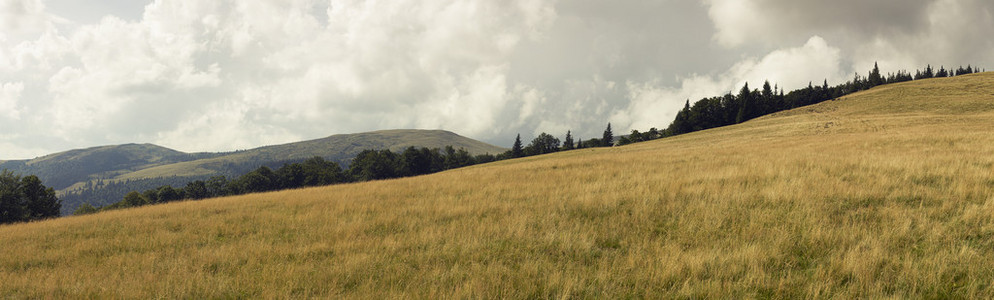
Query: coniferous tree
point(746, 104)
point(942, 72)
point(874, 77)
point(608, 138)
point(767, 105)
point(517, 150)
point(767, 90)
point(568, 141)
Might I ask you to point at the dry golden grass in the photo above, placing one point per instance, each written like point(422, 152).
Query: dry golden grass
point(889, 193)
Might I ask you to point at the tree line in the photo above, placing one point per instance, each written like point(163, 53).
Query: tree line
point(730, 109)
point(316, 171)
point(749, 103)
point(25, 199)
point(366, 166)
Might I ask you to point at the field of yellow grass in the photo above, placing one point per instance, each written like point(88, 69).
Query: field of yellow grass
point(886, 193)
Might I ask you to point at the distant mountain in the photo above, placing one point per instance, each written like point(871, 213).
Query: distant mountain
point(340, 148)
point(100, 175)
point(62, 170)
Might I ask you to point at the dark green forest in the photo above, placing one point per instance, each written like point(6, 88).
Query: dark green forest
point(368, 165)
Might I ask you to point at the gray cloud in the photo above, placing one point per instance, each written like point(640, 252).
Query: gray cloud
point(224, 75)
point(905, 34)
point(777, 22)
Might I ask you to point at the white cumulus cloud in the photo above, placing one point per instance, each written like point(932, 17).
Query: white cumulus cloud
point(226, 74)
point(10, 95)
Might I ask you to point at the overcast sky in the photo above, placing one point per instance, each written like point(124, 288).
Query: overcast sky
point(223, 75)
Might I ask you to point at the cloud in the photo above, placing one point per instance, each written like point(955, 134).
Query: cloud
point(21, 17)
point(793, 68)
point(10, 95)
point(775, 22)
point(902, 33)
point(218, 75)
point(227, 74)
point(652, 105)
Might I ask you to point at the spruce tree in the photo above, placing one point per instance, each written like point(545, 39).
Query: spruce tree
point(942, 72)
point(747, 104)
point(875, 78)
point(568, 141)
point(516, 149)
point(608, 139)
point(767, 105)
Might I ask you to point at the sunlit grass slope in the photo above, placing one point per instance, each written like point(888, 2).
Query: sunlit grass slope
point(887, 193)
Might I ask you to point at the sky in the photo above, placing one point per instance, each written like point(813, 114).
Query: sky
point(225, 75)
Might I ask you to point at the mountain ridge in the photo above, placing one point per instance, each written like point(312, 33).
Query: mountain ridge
point(90, 168)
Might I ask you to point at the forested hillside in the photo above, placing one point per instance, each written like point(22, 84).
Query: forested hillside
point(62, 170)
point(102, 175)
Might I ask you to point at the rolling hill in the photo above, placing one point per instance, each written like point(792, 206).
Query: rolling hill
point(123, 168)
point(887, 193)
point(340, 148)
point(65, 169)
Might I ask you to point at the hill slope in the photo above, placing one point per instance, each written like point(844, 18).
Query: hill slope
point(885, 193)
point(64, 169)
point(102, 175)
point(341, 148)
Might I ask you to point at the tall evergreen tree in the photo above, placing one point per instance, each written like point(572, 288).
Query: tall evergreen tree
point(875, 78)
point(942, 72)
point(746, 104)
point(767, 91)
point(568, 141)
point(608, 139)
point(766, 104)
point(517, 149)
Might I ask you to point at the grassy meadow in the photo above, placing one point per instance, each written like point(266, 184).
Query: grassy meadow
point(885, 193)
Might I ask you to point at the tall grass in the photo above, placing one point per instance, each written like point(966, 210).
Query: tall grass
point(886, 193)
